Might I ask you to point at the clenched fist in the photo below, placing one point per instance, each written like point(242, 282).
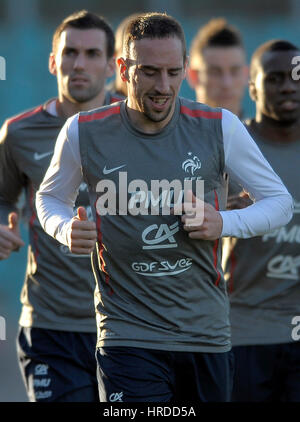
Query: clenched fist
point(10, 239)
point(82, 233)
point(200, 219)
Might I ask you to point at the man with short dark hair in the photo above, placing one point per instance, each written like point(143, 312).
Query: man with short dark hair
point(218, 72)
point(57, 325)
point(263, 272)
point(161, 301)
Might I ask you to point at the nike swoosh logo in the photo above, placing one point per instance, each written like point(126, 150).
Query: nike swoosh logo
point(38, 156)
point(108, 171)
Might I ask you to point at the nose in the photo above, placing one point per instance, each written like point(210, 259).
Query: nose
point(79, 62)
point(227, 80)
point(163, 83)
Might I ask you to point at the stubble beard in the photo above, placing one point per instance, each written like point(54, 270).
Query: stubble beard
point(153, 116)
point(84, 95)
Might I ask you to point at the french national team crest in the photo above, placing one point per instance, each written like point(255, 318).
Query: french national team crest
point(192, 164)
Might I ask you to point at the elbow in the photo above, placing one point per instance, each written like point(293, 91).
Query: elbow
point(39, 208)
point(290, 208)
point(287, 209)
point(39, 215)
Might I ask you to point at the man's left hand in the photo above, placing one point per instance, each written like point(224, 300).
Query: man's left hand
point(200, 219)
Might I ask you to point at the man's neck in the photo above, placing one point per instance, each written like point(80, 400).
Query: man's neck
point(275, 131)
point(65, 108)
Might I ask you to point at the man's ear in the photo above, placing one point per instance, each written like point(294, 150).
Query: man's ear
point(52, 64)
point(192, 77)
point(252, 91)
point(123, 69)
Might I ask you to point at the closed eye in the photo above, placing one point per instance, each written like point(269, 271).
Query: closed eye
point(148, 71)
point(174, 72)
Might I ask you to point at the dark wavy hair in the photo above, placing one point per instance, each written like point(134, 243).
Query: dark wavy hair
point(153, 25)
point(86, 20)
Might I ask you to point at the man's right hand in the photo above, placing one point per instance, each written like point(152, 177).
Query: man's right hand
point(10, 239)
point(82, 235)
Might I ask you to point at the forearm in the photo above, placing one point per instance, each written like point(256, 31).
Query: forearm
point(12, 179)
point(54, 215)
point(265, 215)
point(56, 197)
point(245, 164)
